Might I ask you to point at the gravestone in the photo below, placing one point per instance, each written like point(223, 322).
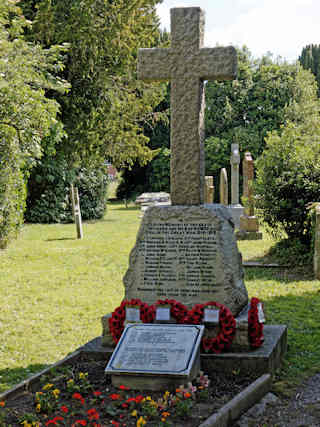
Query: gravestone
point(316, 259)
point(208, 190)
point(186, 251)
point(235, 208)
point(156, 357)
point(223, 187)
point(249, 224)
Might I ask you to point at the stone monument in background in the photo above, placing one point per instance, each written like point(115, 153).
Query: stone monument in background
point(249, 224)
point(187, 251)
point(236, 210)
point(208, 190)
point(223, 187)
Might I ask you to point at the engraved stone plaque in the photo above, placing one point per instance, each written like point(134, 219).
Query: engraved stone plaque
point(261, 315)
point(187, 253)
point(151, 356)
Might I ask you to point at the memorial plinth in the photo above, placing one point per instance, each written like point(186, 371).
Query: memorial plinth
point(187, 253)
point(156, 357)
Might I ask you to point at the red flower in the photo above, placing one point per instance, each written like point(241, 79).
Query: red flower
point(64, 409)
point(78, 396)
point(93, 414)
point(97, 393)
point(80, 423)
point(124, 405)
point(123, 387)
point(115, 423)
point(139, 398)
point(54, 421)
point(115, 396)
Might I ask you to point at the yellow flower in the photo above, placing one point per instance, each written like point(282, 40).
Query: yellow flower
point(166, 395)
point(82, 375)
point(134, 413)
point(56, 393)
point(141, 422)
point(38, 407)
point(35, 424)
point(148, 398)
point(47, 386)
point(165, 414)
point(26, 424)
point(70, 381)
point(2, 403)
point(38, 394)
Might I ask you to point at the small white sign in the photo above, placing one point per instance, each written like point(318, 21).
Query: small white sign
point(211, 315)
point(132, 314)
point(261, 315)
point(163, 313)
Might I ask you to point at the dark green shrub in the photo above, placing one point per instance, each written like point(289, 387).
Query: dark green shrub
point(48, 199)
point(12, 190)
point(288, 179)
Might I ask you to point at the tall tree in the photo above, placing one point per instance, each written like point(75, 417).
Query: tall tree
point(310, 60)
point(26, 115)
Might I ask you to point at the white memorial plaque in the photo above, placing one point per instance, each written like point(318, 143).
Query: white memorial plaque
point(132, 314)
point(261, 315)
point(163, 313)
point(211, 315)
point(156, 349)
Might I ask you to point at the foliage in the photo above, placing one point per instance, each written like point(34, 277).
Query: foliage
point(243, 111)
point(48, 198)
point(156, 175)
point(288, 172)
point(104, 110)
point(26, 115)
point(310, 60)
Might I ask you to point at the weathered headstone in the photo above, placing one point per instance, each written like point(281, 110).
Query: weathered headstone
point(209, 190)
point(249, 224)
point(316, 258)
point(187, 64)
point(75, 202)
point(236, 210)
point(223, 187)
point(155, 357)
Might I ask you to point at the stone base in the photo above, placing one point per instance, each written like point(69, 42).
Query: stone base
point(236, 211)
point(248, 235)
point(266, 359)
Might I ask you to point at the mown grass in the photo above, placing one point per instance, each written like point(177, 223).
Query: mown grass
point(55, 288)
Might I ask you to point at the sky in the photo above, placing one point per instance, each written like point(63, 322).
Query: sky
point(282, 27)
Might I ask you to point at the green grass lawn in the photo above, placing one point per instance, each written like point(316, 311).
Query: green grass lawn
point(55, 288)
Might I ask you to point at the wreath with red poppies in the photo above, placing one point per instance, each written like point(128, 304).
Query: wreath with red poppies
point(227, 325)
point(116, 321)
point(177, 310)
point(255, 327)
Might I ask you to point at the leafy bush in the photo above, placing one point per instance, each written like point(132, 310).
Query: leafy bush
point(12, 190)
point(48, 199)
point(288, 179)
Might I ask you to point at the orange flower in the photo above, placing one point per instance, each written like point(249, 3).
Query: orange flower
point(2, 403)
point(187, 394)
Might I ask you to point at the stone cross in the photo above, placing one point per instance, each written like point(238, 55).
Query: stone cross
point(223, 187)
point(187, 64)
point(235, 161)
point(248, 175)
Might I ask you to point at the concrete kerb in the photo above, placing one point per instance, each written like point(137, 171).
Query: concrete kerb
point(232, 410)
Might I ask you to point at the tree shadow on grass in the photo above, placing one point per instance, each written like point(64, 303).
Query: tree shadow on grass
point(129, 208)
point(61, 238)
point(282, 274)
point(10, 377)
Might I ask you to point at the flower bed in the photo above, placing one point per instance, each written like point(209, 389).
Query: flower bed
point(80, 394)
